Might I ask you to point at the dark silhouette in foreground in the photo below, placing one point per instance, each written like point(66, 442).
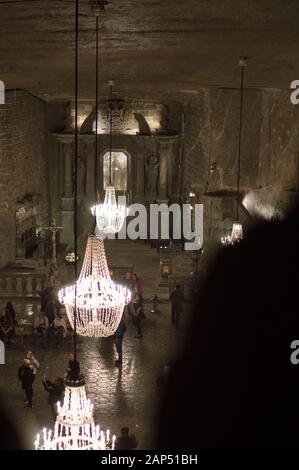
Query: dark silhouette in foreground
point(126, 441)
point(234, 387)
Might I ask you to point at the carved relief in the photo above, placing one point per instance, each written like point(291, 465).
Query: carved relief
point(152, 166)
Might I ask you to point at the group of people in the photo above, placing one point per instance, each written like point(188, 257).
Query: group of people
point(49, 324)
point(136, 311)
point(27, 373)
point(54, 331)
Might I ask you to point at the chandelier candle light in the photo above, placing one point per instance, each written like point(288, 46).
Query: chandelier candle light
point(74, 427)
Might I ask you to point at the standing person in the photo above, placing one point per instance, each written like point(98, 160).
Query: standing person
point(26, 376)
point(118, 341)
point(138, 285)
point(10, 312)
point(130, 283)
point(33, 362)
point(138, 314)
point(55, 390)
point(59, 329)
point(41, 325)
point(126, 441)
point(47, 303)
point(6, 328)
point(176, 299)
point(73, 370)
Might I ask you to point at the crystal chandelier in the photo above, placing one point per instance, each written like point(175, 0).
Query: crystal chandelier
point(110, 215)
point(236, 235)
point(95, 299)
point(74, 426)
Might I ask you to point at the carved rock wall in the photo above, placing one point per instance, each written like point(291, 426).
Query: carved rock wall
point(269, 153)
point(22, 162)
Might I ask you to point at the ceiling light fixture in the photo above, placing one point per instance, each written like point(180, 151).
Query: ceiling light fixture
point(237, 230)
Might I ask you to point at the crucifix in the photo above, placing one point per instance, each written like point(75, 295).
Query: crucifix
point(54, 228)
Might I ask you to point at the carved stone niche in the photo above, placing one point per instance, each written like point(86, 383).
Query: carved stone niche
point(159, 163)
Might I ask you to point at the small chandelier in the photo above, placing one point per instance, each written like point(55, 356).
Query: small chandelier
point(95, 300)
point(74, 427)
point(237, 230)
point(236, 235)
point(110, 215)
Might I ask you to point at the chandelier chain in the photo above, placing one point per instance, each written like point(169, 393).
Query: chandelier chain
point(242, 64)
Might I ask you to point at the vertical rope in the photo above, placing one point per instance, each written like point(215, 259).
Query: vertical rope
point(96, 109)
point(242, 65)
point(76, 176)
point(110, 138)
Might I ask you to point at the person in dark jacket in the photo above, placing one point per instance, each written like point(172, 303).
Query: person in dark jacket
point(6, 328)
point(55, 390)
point(138, 285)
point(126, 441)
point(26, 376)
point(118, 341)
point(10, 313)
point(47, 302)
point(73, 370)
point(176, 299)
point(138, 314)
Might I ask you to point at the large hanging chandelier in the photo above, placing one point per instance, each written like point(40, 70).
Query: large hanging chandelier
point(95, 300)
point(74, 427)
point(110, 215)
point(237, 230)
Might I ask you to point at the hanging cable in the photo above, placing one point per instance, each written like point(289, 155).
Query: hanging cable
point(110, 137)
point(242, 64)
point(76, 175)
point(96, 108)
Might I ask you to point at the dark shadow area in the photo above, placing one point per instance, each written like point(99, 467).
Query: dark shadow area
point(9, 432)
point(234, 387)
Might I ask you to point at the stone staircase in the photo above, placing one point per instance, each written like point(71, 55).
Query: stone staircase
point(146, 262)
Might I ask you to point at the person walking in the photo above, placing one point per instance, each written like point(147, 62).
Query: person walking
point(56, 391)
point(26, 376)
point(126, 441)
point(176, 299)
point(138, 315)
point(118, 341)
